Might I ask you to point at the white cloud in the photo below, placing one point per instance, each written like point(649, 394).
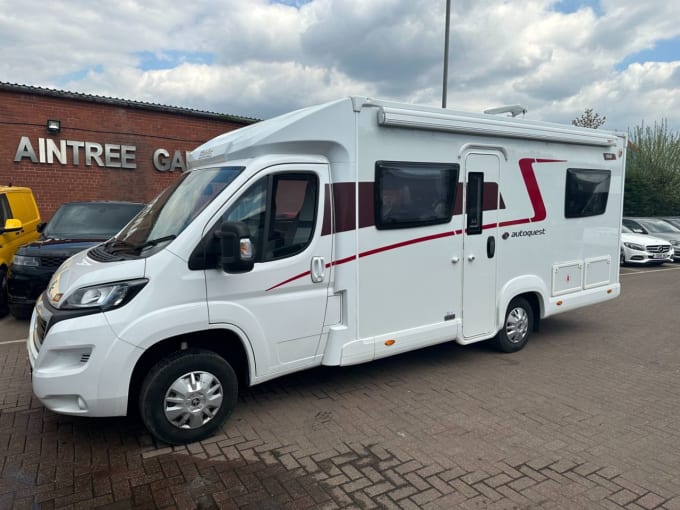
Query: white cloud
point(267, 58)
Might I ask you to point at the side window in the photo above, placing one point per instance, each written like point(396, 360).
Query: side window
point(586, 192)
point(250, 209)
point(292, 214)
point(409, 194)
point(634, 226)
point(280, 213)
point(5, 212)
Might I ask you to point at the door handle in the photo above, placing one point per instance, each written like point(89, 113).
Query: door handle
point(490, 247)
point(471, 258)
point(318, 269)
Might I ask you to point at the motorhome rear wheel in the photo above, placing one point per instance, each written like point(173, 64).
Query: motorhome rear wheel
point(519, 319)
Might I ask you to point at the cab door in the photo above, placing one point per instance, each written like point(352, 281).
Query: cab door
point(280, 304)
point(482, 172)
point(18, 205)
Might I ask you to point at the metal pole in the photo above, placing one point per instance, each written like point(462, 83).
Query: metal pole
point(446, 53)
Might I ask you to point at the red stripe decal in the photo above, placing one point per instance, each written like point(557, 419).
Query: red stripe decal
point(406, 243)
point(526, 166)
point(296, 277)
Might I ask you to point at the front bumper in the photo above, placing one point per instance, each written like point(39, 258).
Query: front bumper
point(78, 365)
point(643, 257)
point(24, 285)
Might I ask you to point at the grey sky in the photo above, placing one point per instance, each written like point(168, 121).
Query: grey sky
point(258, 58)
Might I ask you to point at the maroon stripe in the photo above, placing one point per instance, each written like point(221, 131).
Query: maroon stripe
point(296, 277)
point(327, 227)
point(344, 199)
point(406, 243)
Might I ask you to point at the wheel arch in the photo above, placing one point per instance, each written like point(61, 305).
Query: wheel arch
point(225, 342)
point(529, 287)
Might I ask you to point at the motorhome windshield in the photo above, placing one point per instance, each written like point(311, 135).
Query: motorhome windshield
point(171, 211)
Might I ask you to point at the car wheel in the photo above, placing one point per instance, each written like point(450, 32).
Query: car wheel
point(188, 396)
point(623, 259)
point(519, 319)
point(3, 293)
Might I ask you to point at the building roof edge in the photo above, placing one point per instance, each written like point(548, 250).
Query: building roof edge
point(78, 96)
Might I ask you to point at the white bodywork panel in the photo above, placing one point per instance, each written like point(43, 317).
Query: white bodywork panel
point(356, 292)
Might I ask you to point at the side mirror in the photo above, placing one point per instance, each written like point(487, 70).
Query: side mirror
point(11, 225)
point(41, 227)
point(237, 254)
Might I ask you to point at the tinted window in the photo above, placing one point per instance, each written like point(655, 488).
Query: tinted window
point(658, 226)
point(90, 220)
point(280, 213)
point(170, 212)
point(414, 194)
point(5, 212)
point(586, 192)
point(475, 202)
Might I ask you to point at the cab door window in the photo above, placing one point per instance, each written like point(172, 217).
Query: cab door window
point(5, 212)
point(280, 213)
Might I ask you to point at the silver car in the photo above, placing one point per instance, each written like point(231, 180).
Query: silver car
point(658, 228)
point(644, 249)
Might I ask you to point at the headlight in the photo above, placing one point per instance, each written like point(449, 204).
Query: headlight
point(22, 260)
point(634, 246)
point(105, 297)
point(675, 243)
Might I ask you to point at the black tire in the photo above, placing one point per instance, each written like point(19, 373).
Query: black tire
point(3, 292)
point(517, 326)
point(623, 259)
point(177, 369)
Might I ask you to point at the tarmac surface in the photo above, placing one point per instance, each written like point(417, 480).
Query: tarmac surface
point(586, 416)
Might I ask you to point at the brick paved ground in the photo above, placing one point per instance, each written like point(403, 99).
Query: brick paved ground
point(586, 416)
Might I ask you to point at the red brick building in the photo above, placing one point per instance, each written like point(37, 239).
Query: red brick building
point(68, 146)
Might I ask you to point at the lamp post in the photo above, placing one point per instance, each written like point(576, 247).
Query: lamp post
point(446, 53)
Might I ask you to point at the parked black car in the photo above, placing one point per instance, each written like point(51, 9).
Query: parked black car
point(74, 227)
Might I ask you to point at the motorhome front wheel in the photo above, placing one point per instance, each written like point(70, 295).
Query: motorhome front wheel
point(188, 396)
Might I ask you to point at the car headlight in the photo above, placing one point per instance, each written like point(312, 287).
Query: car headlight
point(675, 243)
point(634, 246)
point(105, 297)
point(23, 260)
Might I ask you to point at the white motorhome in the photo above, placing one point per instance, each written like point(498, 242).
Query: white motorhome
point(333, 235)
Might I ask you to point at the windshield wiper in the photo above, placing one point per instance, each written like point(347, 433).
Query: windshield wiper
point(120, 245)
point(154, 242)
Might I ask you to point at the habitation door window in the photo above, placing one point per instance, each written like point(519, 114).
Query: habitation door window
point(413, 194)
point(474, 202)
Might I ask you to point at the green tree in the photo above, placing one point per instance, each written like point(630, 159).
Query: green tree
point(589, 119)
point(652, 186)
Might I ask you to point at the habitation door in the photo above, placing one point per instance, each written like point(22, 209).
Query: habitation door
point(481, 200)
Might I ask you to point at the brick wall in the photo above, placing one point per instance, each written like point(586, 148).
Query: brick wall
point(24, 114)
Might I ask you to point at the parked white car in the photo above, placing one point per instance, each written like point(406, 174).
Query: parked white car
point(643, 248)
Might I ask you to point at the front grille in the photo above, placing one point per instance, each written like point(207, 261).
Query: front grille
point(658, 248)
point(52, 261)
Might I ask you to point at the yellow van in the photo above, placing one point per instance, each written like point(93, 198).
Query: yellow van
point(19, 220)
